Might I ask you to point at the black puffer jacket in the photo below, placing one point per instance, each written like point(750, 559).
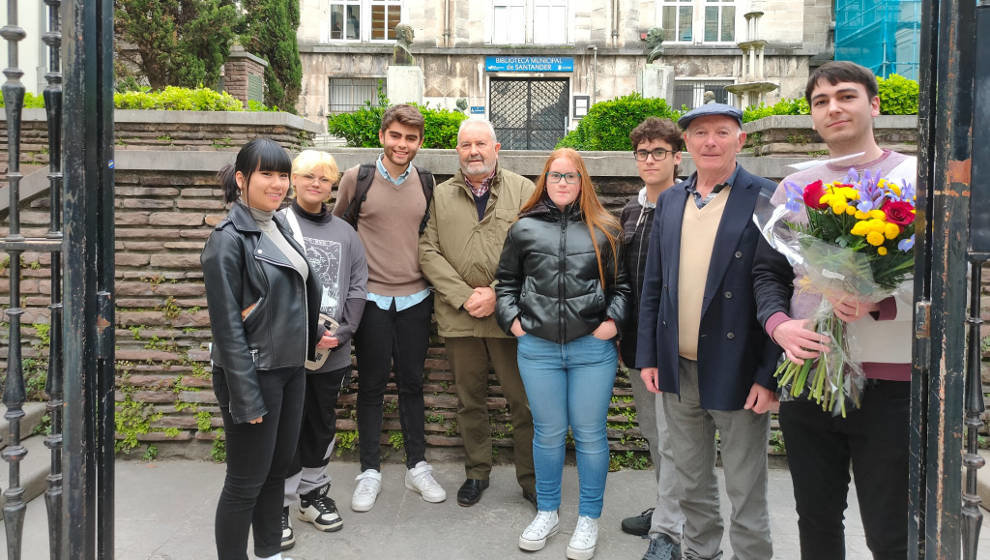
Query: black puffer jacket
point(243, 268)
point(548, 277)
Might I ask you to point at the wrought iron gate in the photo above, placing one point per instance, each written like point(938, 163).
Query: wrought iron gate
point(529, 113)
point(80, 240)
point(953, 241)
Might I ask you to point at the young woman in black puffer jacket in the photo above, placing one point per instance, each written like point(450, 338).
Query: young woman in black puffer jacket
point(562, 291)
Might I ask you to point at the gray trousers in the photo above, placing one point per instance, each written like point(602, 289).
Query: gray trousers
point(743, 436)
point(667, 516)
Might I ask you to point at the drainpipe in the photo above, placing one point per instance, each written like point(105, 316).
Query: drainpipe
point(594, 74)
point(615, 23)
point(446, 23)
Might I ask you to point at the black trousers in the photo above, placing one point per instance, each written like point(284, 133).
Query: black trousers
point(820, 447)
point(386, 340)
point(319, 419)
point(258, 457)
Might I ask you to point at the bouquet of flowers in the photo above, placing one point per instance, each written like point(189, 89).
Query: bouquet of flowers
point(854, 243)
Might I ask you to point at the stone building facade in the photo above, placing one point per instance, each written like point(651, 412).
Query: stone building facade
point(557, 56)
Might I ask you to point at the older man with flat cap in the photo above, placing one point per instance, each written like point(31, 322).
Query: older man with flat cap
point(700, 344)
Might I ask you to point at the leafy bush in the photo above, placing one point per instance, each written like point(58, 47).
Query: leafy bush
point(178, 99)
point(795, 106)
point(608, 123)
point(31, 101)
point(898, 95)
point(360, 128)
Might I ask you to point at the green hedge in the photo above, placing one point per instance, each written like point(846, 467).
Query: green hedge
point(898, 96)
point(607, 125)
point(169, 99)
point(360, 128)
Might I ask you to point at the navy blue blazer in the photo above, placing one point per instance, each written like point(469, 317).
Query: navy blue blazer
point(733, 350)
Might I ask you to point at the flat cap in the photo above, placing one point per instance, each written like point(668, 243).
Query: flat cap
point(708, 110)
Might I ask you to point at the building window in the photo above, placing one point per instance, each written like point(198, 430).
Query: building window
point(350, 94)
point(516, 22)
point(691, 93)
point(364, 20)
point(696, 21)
point(506, 28)
point(550, 22)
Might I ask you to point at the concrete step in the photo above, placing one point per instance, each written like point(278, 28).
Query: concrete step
point(982, 480)
point(36, 464)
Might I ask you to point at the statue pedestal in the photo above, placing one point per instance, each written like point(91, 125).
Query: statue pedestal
point(657, 80)
point(405, 84)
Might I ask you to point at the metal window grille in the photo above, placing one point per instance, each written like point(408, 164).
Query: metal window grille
point(351, 94)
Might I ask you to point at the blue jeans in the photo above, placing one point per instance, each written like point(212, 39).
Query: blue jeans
point(569, 385)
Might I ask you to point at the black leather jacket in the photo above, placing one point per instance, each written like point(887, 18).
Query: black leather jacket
point(243, 268)
point(548, 277)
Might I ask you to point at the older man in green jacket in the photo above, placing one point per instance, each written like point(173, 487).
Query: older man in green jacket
point(459, 252)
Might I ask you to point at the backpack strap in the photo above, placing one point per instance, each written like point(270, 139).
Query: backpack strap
point(366, 174)
point(427, 181)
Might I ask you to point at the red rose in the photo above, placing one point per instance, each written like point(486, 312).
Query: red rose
point(899, 212)
point(813, 193)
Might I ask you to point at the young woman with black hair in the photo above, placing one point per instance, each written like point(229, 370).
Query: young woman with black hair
point(264, 302)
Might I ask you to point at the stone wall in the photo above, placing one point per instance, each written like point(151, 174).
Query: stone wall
point(166, 203)
point(793, 135)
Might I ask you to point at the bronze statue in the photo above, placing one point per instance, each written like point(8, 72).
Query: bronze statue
point(654, 44)
point(401, 55)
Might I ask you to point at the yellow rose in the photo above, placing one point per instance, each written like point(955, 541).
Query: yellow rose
point(874, 238)
point(861, 215)
point(878, 214)
point(851, 210)
point(881, 251)
point(891, 231)
point(861, 228)
point(839, 207)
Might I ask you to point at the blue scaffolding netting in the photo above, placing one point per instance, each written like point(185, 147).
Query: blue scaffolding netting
point(882, 35)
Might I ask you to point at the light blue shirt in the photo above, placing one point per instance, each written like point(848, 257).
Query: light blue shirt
point(394, 180)
point(401, 302)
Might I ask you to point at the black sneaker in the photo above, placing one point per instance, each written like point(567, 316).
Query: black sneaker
point(662, 547)
point(320, 510)
point(638, 525)
point(288, 537)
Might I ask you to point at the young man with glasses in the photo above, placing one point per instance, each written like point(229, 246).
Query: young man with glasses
point(657, 146)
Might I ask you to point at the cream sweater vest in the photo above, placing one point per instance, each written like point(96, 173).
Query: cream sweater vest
point(698, 231)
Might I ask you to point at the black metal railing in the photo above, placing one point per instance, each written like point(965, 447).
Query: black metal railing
point(80, 382)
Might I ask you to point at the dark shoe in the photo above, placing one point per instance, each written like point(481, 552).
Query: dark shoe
point(638, 525)
point(470, 492)
point(288, 538)
point(531, 498)
point(662, 547)
point(320, 510)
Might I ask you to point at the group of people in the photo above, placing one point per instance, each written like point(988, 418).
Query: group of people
point(543, 285)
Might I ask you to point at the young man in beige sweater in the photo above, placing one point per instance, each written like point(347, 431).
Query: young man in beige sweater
point(387, 205)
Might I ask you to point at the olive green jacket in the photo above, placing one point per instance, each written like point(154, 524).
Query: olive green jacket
point(458, 253)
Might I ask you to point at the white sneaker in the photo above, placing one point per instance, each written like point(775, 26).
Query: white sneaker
point(420, 479)
point(544, 525)
point(369, 484)
point(582, 545)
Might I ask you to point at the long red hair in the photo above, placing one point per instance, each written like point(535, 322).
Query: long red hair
point(595, 215)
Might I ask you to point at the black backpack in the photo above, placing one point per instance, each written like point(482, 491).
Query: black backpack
point(366, 174)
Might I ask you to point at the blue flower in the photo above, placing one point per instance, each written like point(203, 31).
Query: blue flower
point(906, 244)
point(795, 196)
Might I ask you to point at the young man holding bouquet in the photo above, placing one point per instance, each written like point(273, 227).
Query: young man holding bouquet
point(873, 437)
point(700, 345)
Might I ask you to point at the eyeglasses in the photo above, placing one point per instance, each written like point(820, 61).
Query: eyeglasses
point(659, 154)
point(569, 178)
point(310, 178)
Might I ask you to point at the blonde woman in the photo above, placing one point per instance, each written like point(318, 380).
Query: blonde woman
point(562, 291)
point(337, 256)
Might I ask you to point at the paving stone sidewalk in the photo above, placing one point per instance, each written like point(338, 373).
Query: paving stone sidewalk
point(165, 512)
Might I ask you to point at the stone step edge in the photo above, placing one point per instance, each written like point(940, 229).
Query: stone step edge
point(33, 414)
point(34, 470)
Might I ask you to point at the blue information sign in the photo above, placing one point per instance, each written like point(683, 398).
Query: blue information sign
point(477, 109)
point(529, 64)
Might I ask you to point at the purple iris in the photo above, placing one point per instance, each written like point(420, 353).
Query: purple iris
point(906, 244)
point(795, 196)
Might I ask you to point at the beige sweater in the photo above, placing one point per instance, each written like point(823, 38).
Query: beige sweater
point(698, 231)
